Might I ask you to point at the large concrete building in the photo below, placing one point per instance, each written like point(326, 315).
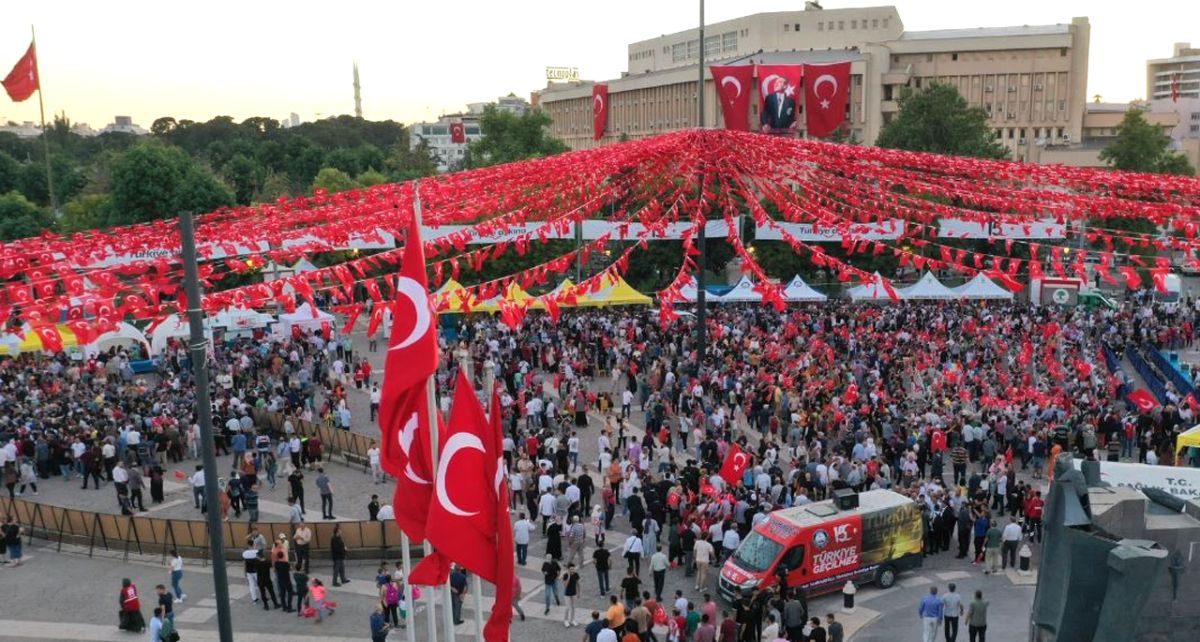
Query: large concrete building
point(1032, 80)
point(449, 154)
point(1183, 68)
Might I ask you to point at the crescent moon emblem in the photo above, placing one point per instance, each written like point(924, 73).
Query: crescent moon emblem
point(597, 104)
point(412, 474)
point(740, 459)
point(766, 84)
point(411, 290)
point(407, 432)
point(457, 442)
point(737, 84)
point(825, 78)
point(499, 474)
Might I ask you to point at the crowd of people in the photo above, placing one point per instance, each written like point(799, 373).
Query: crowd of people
point(955, 404)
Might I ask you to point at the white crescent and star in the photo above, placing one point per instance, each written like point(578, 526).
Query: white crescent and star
point(766, 83)
point(737, 85)
point(457, 442)
point(822, 79)
point(597, 104)
point(411, 290)
point(739, 460)
point(406, 438)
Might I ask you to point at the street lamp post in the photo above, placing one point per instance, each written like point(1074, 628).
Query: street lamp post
point(198, 351)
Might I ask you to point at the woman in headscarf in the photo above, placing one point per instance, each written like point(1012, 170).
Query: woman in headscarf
point(131, 608)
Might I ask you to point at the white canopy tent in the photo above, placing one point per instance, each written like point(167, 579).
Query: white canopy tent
point(929, 287)
point(125, 335)
point(173, 326)
point(873, 291)
point(304, 318)
point(742, 292)
point(981, 287)
point(798, 290)
point(235, 319)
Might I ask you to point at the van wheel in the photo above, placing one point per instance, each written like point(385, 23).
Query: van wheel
point(885, 577)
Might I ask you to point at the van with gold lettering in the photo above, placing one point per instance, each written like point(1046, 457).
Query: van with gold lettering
point(864, 537)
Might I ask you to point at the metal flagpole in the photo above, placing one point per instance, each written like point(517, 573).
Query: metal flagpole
point(489, 383)
point(701, 299)
point(431, 397)
point(198, 349)
point(409, 605)
point(45, 133)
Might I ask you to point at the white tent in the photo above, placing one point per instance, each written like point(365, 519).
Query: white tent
point(981, 287)
point(304, 318)
point(173, 326)
point(873, 291)
point(125, 335)
point(798, 290)
point(927, 288)
point(743, 291)
point(235, 319)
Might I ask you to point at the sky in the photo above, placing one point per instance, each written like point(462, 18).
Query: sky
point(417, 60)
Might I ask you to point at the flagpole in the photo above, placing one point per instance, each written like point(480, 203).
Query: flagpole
point(431, 398)
point(45, 134)
point(489, 382)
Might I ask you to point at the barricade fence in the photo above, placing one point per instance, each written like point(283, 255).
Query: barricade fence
point(143, 534)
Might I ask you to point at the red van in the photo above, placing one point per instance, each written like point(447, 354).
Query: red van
point(820, 546)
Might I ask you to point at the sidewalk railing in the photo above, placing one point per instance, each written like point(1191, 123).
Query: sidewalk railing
point(155, 535)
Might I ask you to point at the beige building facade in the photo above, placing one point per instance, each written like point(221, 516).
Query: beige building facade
point(1032, 79)
point(1182, 69)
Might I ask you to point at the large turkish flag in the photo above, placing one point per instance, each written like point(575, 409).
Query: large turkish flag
point(736, 463)
point(22, 81)
point(599, 110)
point(733, 83)
point(825, 97)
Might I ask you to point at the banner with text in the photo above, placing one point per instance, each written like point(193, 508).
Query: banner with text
point(956, 228)
point(816, 233)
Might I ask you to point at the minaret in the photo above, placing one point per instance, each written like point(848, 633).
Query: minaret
point(357, 94)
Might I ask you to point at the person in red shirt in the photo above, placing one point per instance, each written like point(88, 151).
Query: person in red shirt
point(131, 608)
point(1033, 512)
point(728, 629)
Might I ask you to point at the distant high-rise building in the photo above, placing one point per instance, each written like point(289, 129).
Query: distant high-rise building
point(357, 94)
point(1178, 74)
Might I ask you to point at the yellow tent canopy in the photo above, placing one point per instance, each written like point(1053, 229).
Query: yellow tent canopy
point(448, 298)
point(614, 291)
point(1189, 437)
point(13, 344)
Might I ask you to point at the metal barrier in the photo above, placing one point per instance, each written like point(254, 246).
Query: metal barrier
point(141, 534)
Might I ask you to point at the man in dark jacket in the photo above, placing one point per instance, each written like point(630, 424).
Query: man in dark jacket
point(337, 551)
point(265, 588)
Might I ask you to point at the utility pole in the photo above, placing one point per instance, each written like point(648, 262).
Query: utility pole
point(198, 349)
point(701, 303)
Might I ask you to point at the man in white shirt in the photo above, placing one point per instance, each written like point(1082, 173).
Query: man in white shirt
point(1009, 539)
point(729, 542)
point(546, 509)
point(626, 403)
point(373, 460)
point(376, 397)
point(198, 488)
point(522, 529)
point(702, 553)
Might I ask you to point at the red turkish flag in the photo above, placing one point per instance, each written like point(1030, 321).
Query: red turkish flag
point(736, 463)
point(458, 134)
point(461, 524)
point(1143, 400)
point(500, 621)
point(825, 97)
point(599, 110)
point(733, 83)
point(51, 339)
point(22, 81)
point(768, 74)
point(404, 410)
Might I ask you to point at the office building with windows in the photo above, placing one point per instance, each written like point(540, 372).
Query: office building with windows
point(1032, 80)
point(1181, 70)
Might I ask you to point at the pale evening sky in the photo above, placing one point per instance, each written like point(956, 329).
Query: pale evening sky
point(248, 58)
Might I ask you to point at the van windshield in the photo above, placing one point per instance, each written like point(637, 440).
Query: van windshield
point(757, 553)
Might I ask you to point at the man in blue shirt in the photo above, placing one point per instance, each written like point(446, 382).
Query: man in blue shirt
point(379, 625)
point(931, 615)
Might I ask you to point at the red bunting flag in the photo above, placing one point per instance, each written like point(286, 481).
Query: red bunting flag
point(599, 110)
point(22, 81)
point(825, 97)
point(736, 463)
point(733, 83)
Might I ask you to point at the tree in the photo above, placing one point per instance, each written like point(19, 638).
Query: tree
point(508, 137)
point(1142, 147)
point(86, 212)
point(10, 173)
point(938, 120)
point(245, 175)
point(333, 180)
point(163, 126)
point(154, 180)
point(406, 163)
point(20, 218)
point(370, 177)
